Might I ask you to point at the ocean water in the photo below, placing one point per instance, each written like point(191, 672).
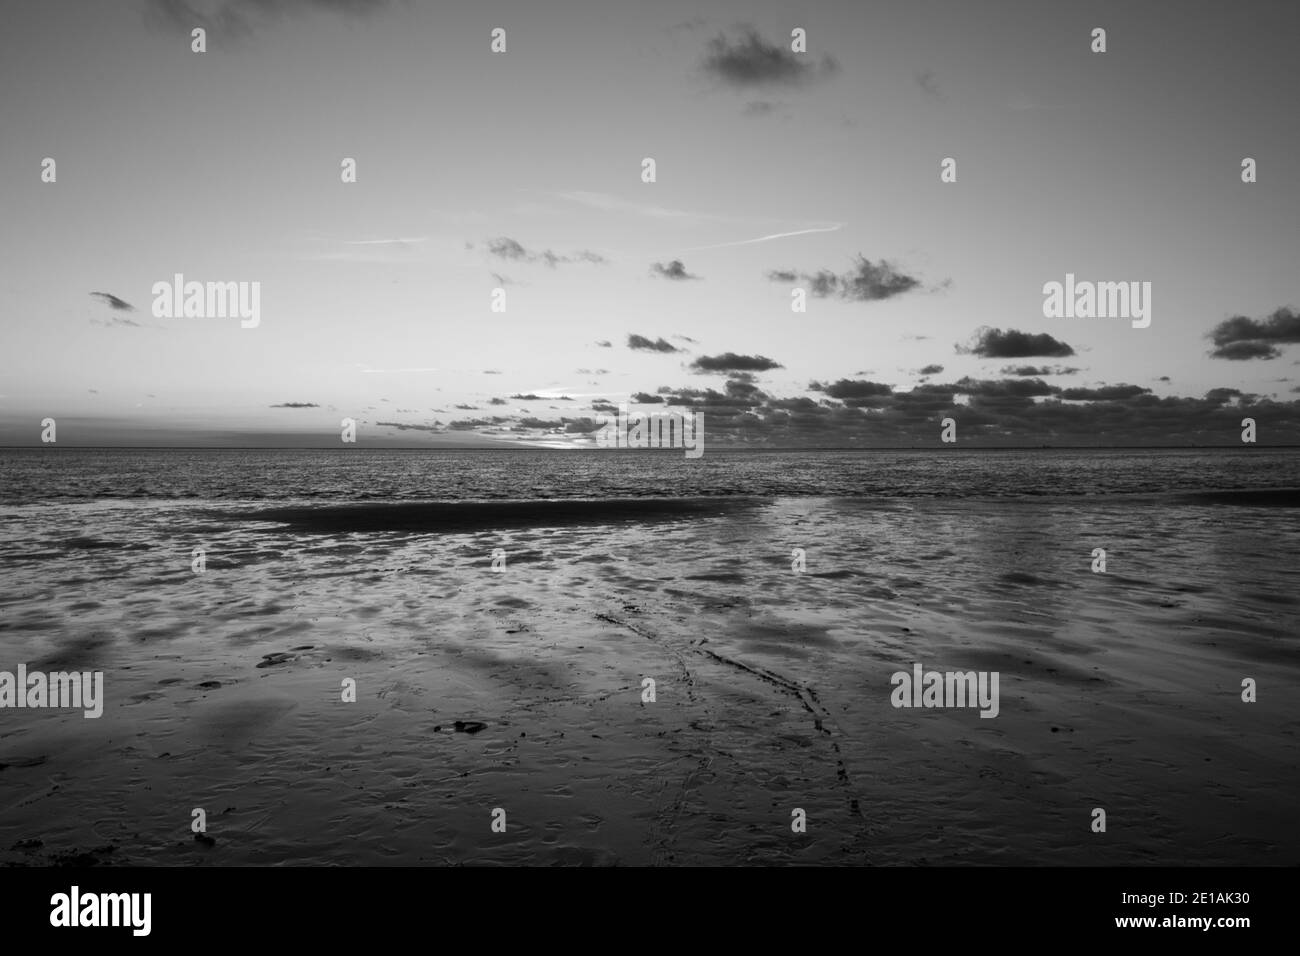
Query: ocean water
point(1119, 690)
point(52, 474)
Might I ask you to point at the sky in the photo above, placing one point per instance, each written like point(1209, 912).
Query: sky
point(522, 171)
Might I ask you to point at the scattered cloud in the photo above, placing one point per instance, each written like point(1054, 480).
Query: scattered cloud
point(640, 343)
point(1038, 370)
point(750, 61)
point(994, 343)
point(673, 270)
point(1240, 338)
point(867, 282)
point(503, 247)
point(296, 405)
point(731, 362)
point(114, 302)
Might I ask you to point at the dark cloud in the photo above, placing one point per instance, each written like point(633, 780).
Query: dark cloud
point(1240, 337)
point(749, 61)
point(604, 343)
point(296, 405)
point(114, 302)
point(867, 282)
point(673, 270)
point(497, 401)
point(731, 362)
point(1021, 411)
point(530, 397)
point(930, 370)
point(468, 408)
point(1006, 388)
point(1104, 393)
point(640, 343)
point(1036, 370)
point(994, 343)
point(1241, 351)
point(510, 249)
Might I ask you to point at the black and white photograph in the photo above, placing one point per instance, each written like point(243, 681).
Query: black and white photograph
point(595, 433)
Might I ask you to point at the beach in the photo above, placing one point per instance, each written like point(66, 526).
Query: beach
point(522, 688)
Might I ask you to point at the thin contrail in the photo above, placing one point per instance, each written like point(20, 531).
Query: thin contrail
point(775, 235)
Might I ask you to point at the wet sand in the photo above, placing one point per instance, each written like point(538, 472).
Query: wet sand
point(1118, 690)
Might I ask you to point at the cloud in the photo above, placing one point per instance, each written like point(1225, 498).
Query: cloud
point(867, 282)
point(926, 81)
point(930, 370)
point(236, 18)
point(296, 405)
point(994, 343)
point(750, 61)
point(1037, 370)
point(405, 427)
point(1240, 338)
point(531, 397)
point(1104, 393)
point(117, 304)
point(758, 108)
point(1241, 351)
point(731, 362)
point(640, 343)
point(674, 270)
point(644, 398)
point(512, 250)
point(497, 401)
point(604, 343)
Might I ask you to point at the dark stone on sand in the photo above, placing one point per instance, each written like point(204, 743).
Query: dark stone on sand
point(204, 839)
point(28, 845)
point(469, 726)
point(270, 660)
point(208, 685)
